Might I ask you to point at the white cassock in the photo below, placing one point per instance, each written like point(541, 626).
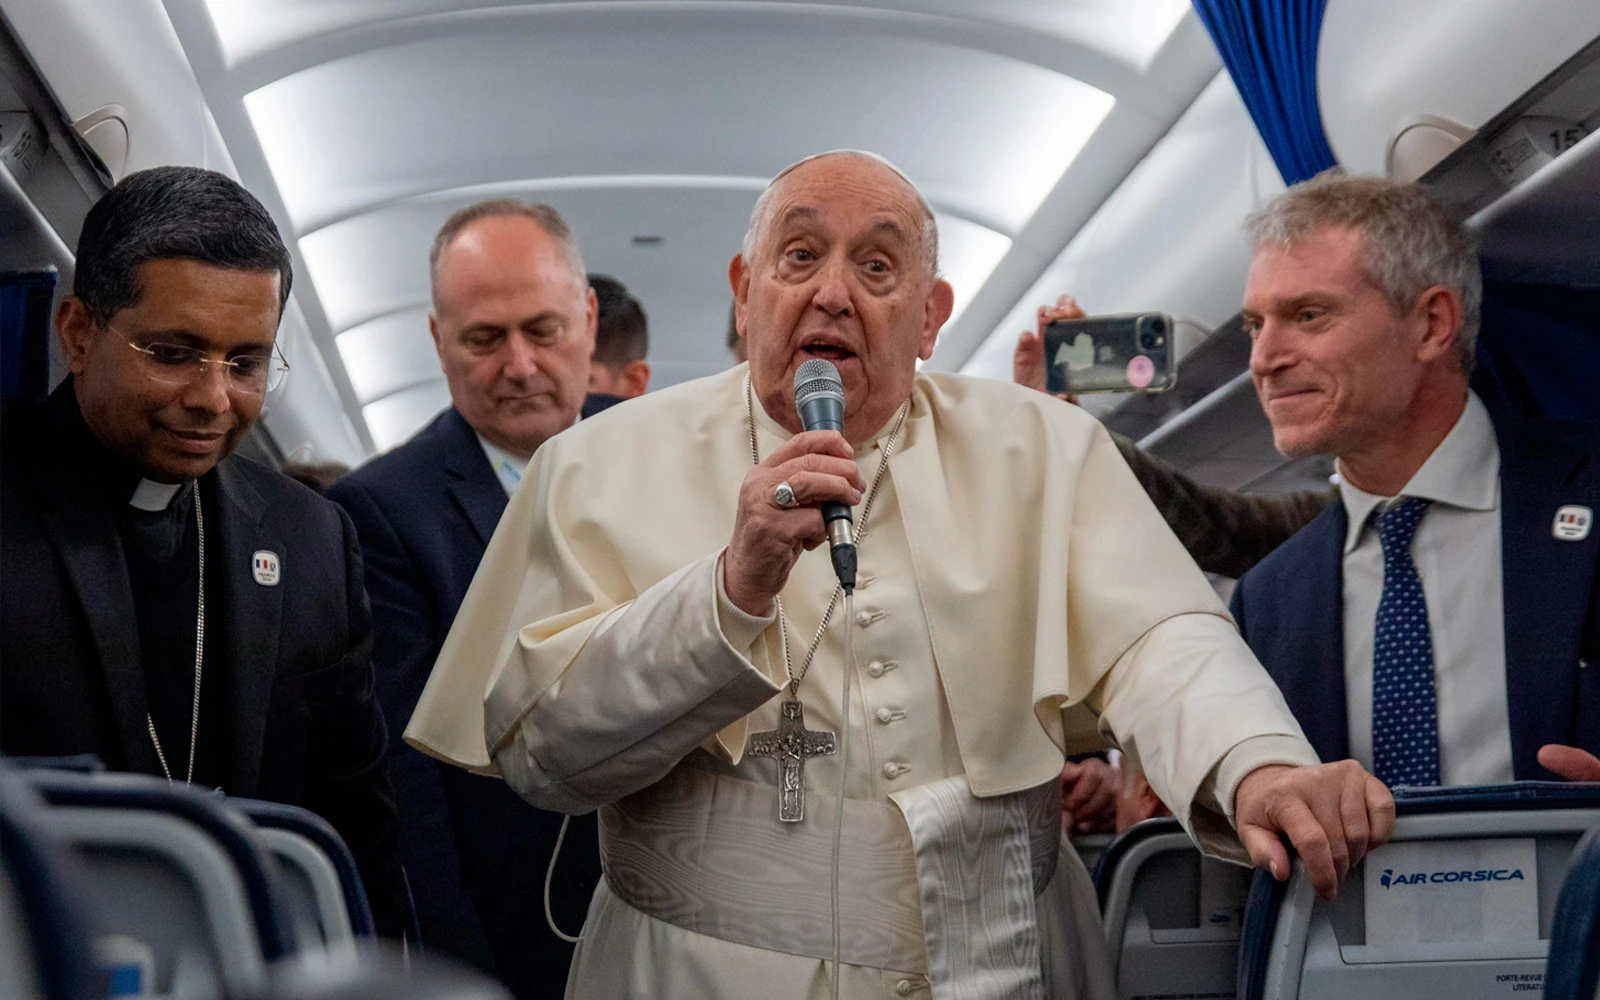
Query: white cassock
point(1019, 599)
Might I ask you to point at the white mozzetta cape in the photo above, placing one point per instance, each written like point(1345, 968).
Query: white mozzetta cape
point(1038, 563)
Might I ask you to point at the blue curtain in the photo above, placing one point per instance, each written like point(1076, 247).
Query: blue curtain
point(25, 298)
point(1270, 50)
point(1539, 352)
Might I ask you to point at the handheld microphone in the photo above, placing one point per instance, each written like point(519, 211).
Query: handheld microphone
point(819, 398)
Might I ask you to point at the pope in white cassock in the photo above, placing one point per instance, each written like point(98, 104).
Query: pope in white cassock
point(656, 633)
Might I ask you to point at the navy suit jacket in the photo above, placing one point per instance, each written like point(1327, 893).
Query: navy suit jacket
point(1290, 607)
point(475, 852)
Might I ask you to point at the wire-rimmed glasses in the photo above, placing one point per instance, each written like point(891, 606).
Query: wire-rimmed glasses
point(182, 364)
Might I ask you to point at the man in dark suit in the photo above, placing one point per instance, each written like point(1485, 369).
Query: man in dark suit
point(514, 324)
point(1438, 623)
point(166, 607)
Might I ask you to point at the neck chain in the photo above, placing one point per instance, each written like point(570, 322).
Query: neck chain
point(859, 534)
point(199, 656)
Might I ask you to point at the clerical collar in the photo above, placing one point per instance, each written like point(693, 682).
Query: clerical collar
point(507, 467)
point(153, 496)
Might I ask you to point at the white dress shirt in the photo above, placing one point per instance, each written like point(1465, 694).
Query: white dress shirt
point(1457, 552)
point(507, 467)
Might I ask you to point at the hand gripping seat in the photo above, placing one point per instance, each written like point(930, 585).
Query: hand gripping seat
point(1439, 913)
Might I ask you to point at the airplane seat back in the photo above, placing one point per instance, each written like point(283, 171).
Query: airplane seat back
point(42, 941)
point(1573, 969)
point(181, 887)
point(344, 891)
point(313, 903)
point(1172, 916)
point(1090, 848)
point(1460, 902)
point(19, 974)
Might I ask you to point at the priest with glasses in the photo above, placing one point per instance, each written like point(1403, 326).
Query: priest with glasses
point(806, 791)
point(165, 607)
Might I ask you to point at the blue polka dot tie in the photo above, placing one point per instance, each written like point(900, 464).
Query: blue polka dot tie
point(1405, 714)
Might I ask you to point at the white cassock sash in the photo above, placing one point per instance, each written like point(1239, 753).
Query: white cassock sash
point(940, 883)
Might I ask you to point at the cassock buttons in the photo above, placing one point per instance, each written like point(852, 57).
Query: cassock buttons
point(864, 618)
point(904, 987)
point(895, 769)
point(885, 716)
point(878, 668)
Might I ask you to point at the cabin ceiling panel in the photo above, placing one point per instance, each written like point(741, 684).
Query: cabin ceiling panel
point(389, 354)
point(374, 263)
point(1170, 239)
point(469, 110)
point(1131, 31)
point(394, 418)
point(363, 123)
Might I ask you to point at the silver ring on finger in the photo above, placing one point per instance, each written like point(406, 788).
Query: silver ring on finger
point(783, 496)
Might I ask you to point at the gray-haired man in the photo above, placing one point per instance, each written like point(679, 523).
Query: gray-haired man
point(1438, 623)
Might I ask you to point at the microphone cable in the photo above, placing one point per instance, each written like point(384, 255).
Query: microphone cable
point(549, 874)
point(844, 771)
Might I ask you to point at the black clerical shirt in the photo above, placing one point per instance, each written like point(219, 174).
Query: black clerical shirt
point(162, 553)
point(163, 556)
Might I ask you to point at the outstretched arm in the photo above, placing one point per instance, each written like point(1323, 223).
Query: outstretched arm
point(1224, 531)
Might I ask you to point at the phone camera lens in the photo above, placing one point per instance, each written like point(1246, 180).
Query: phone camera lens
point(1152, 333)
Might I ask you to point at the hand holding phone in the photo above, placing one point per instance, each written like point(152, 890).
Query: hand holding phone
point(1110, 353)
point(1027, 361)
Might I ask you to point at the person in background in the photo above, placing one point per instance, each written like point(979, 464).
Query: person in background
point(167, 606)
point(618, 370)
point(1225, 532)
point(315, 476)
point(1441, 621)
point(513, 321)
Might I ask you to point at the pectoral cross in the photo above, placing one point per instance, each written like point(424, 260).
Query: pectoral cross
point(791, 744)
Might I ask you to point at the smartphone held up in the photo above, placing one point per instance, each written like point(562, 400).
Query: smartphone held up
point(1132, 351)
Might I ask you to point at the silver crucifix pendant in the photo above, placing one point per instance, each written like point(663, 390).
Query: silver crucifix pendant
point(791, 744)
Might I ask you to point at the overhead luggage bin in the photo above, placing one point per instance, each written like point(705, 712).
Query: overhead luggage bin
point(1459, 903)
point(1382, 65)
